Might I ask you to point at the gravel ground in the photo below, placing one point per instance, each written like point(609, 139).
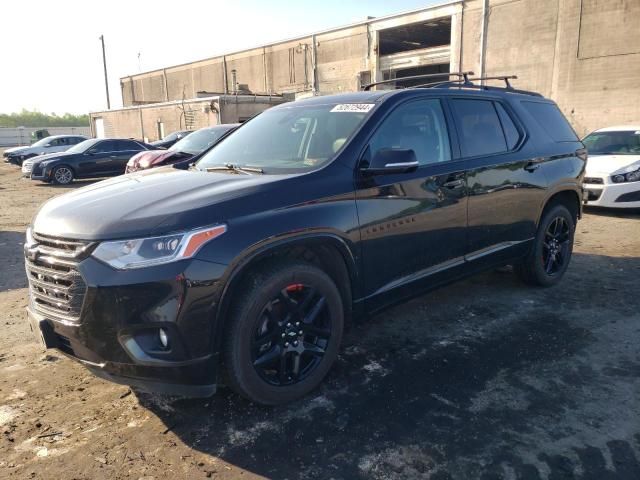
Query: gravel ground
point(483, 379)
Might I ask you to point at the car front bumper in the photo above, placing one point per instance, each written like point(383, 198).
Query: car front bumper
point(613, 195)
point(40, 173)
point(116, 333)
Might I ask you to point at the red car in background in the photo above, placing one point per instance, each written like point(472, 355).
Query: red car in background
point(181, 151)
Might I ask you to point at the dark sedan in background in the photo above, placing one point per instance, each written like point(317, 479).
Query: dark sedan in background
point(170, 139)
point(182, 151)
point(89, 159)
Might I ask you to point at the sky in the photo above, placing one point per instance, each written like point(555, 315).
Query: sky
point(50, 53)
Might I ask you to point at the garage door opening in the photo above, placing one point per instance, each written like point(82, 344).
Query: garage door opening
point(416, 36)
point(416, 49)
point(409, 72)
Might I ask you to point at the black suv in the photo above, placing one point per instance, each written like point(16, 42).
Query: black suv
point(245, 268)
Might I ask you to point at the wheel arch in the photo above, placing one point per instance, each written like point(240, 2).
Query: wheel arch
point(568, 196)
point(328, 251)
point(64, 164)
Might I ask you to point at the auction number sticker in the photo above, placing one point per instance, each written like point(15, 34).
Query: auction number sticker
point(353, 107)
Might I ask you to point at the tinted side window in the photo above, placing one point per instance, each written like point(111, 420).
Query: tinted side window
point(510, 131)
point(419, 126)
point(128, 145)
point(106, 146)
point(480, 129)
point(549, 117)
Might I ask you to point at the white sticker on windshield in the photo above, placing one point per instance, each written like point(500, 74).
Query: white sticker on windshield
point(353, 107)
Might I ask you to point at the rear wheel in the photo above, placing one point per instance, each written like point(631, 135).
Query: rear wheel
point(551, 253)
point(62, 175)
point(285, 333)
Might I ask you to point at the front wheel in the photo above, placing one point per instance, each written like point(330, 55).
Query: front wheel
point(551, 253)
point(285, 332)
point(62, 175)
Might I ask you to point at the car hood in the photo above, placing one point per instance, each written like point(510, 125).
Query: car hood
point(612, 164)
point(145, 203)
point(16, 149)
point(52, 156)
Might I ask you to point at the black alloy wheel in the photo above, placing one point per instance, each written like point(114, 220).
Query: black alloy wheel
point(552, 247)
point(292, 335)
point(284, 334)
point(556, 245)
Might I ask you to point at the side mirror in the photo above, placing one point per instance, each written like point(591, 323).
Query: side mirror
point(387, 161)
point(47, 145)
point(91, 152)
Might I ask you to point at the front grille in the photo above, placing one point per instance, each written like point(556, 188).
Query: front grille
point(56, 286)
point(36, 169)
point(593, 180)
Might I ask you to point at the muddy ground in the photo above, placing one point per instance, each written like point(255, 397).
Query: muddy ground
point(484, 379)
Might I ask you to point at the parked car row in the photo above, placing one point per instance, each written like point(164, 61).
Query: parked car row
point(246, 267)
point(89, 159)
point(62, 159)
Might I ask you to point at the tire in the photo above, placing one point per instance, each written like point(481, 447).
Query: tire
point(551, 252)
point(62, 175)
point(267, 318)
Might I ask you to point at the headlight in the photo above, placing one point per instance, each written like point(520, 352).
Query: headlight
point(633, 176)
point(144, 252)
point(627, 177)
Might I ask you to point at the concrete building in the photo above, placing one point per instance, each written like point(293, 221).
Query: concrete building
point(585, 54)
point(155, 120)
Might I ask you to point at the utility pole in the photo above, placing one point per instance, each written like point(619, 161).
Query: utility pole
point(106, 78)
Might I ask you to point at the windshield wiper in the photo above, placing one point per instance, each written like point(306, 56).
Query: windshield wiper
point(235, 169)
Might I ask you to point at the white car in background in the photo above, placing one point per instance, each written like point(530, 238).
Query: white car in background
point(612, 178)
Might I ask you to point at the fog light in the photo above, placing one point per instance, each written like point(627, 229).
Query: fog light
point(164, 338)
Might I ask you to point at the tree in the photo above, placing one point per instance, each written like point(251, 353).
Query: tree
point(27, 118)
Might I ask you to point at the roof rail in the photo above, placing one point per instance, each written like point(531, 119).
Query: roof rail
point(468, 83)
point(464, 75)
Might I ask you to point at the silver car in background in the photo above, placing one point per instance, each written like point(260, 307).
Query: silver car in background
point(52, 144)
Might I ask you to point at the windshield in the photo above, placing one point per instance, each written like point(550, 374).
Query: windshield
point(83, 146)
point(199, 140)
point(42, 143)
point(289, 139)
point(173, 136)
point(613, 143)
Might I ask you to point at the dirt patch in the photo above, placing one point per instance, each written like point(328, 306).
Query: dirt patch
point(485, 379)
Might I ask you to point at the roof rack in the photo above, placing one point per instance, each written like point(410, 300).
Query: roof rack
point(468, 83)
point(464, 75)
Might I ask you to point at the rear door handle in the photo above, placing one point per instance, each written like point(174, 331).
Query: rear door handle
point(453, 183)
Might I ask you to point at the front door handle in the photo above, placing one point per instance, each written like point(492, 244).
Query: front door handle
point(453, 183)
point(533, 165)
